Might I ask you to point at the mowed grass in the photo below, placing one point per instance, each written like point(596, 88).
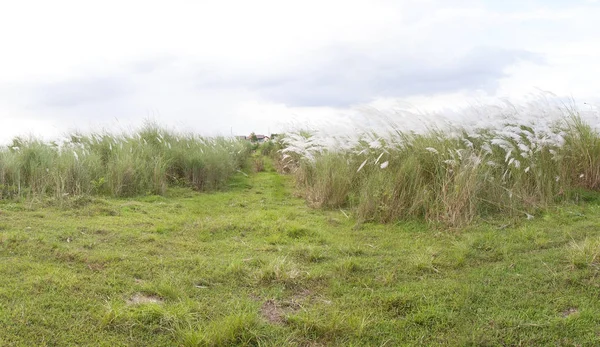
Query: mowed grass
point(253, 265)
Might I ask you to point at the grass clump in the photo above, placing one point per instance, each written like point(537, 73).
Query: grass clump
point(236, 329)
point(450, 175)
point(585, 254)
point(146, 161)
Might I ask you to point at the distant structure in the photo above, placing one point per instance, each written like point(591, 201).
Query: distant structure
point(255, 138)
point(261, 138)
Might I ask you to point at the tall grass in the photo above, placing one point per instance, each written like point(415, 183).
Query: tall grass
point(145, 161)
point(513, 162)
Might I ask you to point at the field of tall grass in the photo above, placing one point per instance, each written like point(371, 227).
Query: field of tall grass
point(509, 160)
point(254, 264)
point(144, 161)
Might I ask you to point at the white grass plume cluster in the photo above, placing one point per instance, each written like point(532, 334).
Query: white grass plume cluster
point(510, 158)
point(144, 161)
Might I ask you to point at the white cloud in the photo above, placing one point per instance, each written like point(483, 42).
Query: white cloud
point(212, 66)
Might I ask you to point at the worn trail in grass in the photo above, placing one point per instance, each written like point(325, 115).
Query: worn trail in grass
point(253, 265)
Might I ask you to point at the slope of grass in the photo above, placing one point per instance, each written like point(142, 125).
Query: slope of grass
point(253, 265)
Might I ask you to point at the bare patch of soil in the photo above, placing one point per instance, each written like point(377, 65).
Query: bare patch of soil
point(568, 312)
point(95, 266)
point(302, 295)
point(274, 312)
point(139, 298)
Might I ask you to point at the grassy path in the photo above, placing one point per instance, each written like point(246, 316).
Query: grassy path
point(253, 265)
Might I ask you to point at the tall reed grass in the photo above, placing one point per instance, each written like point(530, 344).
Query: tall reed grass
point(145, 161)
point(508, 160)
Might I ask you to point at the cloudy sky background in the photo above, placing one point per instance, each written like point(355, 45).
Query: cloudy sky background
point(221, 67)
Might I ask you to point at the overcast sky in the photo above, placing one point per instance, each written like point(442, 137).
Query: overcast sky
point(218, 67)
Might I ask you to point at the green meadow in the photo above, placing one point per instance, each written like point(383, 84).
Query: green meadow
point(457, 237)
point(252, 265)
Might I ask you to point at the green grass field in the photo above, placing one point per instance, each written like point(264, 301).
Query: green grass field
point(253, 265)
